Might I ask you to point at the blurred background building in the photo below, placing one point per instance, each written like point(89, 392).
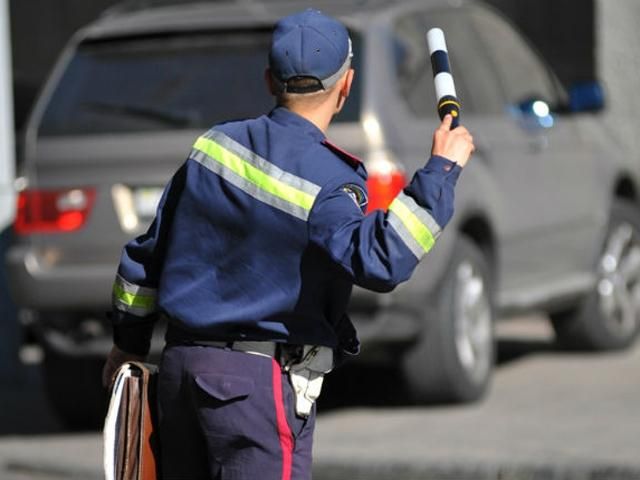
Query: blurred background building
point(8, 325)
point(618, 65)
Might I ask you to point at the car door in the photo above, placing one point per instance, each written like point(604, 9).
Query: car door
point(537, 212)
point(552, 225)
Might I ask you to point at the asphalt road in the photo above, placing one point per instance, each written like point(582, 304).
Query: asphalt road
point(549, 415)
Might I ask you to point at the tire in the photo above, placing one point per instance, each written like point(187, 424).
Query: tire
point(453, 360)
point(75, 390)
point(609, 317)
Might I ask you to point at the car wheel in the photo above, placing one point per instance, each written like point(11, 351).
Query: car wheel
point(453, 360)
point(609, 317)
point(74, 389)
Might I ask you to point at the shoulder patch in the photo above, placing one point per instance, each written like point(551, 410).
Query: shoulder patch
point(357, 194)
point(343, 154)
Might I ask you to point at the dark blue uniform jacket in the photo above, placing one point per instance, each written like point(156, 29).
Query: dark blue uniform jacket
point(261, 234)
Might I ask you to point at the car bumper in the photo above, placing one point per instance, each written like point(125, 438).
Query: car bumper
point(71, 346)
point(37, 282)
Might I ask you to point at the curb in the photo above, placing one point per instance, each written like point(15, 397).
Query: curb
point(344, 471)
point(52, 470)
point(352, 471)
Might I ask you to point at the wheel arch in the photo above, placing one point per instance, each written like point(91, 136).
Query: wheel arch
point(477, 228)
point(626, 189)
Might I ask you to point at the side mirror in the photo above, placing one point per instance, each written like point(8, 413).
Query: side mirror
point(586, 97)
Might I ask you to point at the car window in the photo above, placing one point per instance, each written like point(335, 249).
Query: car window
point(165, 83)
point(523, 75)
point(413, 72)
point(476, 84)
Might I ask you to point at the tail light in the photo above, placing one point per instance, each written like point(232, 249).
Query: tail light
point(53, 211)
point(385, 181)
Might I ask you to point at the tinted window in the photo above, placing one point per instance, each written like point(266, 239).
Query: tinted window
point(476, 84)
point(522, 75)
point(164, 83)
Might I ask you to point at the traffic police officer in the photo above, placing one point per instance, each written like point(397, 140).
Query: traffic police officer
point(257, 242)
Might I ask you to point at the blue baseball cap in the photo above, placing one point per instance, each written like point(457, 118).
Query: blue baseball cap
point(309, 44)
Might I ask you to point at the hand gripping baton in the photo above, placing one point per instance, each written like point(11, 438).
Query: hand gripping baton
point(442, 78)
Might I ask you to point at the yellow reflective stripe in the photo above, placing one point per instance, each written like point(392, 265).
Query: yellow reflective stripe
point(418, 230)
point(132, 300)
point(254, 175)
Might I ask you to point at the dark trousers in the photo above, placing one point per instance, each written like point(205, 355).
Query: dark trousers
point(229, 415)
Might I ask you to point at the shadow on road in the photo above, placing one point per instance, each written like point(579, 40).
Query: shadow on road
point(513, 349)
point(24, 407)
point(363, 386)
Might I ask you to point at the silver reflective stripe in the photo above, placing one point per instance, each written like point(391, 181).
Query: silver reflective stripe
point(134, 299)
point(262, 164)
point(421, 213)
point(415, 226)
point(406, 237)
point(255, 175)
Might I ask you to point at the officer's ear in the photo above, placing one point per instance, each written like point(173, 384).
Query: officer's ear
point(348, 81)
point(345, 89)
point(268, 78)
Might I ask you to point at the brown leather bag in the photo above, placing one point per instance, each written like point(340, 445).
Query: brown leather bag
point(130, 442)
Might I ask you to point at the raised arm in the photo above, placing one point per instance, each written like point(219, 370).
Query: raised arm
point(382, 249)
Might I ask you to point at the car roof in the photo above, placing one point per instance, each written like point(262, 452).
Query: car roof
point(140, 18)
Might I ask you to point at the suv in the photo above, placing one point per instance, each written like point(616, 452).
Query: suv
point(547, 213)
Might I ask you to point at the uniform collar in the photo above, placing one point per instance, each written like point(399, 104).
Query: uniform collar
point(287, 118)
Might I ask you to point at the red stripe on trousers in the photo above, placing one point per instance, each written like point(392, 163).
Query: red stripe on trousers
point(284, 432)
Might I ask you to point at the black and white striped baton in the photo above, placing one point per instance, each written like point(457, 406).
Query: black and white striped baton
point(442, 78)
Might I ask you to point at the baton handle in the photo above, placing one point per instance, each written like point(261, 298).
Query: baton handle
point(448, 102)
